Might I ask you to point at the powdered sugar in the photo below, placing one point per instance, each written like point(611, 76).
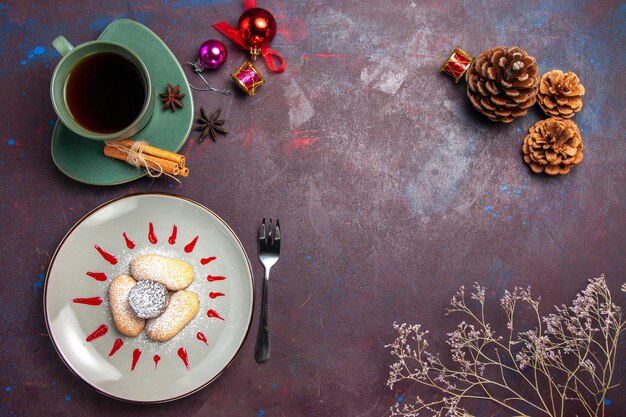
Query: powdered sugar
point(175, 274)
point(148, 299)
point(125, 319)
point(182, 308)
point(212, 328)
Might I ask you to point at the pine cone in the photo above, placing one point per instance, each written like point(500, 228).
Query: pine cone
point(553, 146)
point(502, 83)
point(560, 94)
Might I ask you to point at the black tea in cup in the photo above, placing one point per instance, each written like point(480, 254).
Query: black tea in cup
point(105, 92)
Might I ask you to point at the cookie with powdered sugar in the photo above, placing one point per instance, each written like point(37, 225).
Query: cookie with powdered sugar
point(123, 316)
point(182, 307)
point(175, 274)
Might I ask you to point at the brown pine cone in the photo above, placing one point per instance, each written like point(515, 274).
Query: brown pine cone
point(502, 83)
point(553, 146)
point(560, 94)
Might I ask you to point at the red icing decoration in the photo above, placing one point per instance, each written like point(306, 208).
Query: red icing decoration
point(213, 314)
point(182, 353)
point(151, 236)
point(136, 355)
point(116, 346)
point(205, 261)
point(216, 294)
point(212, 278)
point(202, 338)
point(189, 247)
point(107, 256)
point(98, 276)
point(129, 243)
point(172, 238)
point(93, 301)
point(99, 332)
point(156, 359)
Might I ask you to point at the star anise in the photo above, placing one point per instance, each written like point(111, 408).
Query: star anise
point(173, 98)
point(210, 125)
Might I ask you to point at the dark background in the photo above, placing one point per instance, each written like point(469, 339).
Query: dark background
point(392, 191)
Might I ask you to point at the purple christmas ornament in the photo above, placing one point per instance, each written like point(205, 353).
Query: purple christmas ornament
point(212, 55)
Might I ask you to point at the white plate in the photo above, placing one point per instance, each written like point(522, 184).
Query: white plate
point(217, 253)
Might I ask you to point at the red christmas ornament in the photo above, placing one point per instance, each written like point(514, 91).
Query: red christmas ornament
point(457, 64)
point(254, 32)
point(257, 27)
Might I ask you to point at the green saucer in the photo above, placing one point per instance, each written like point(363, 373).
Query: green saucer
point(83, 159)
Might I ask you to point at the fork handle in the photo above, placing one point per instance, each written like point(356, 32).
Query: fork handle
point(262, 349)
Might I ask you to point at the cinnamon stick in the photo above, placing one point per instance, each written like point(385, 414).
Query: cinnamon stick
point(153, 162)
point(154, 151)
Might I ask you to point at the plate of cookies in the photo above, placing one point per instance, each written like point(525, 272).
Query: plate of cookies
point(149, 297)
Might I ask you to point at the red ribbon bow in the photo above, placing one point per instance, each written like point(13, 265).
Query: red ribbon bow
point(233, 34)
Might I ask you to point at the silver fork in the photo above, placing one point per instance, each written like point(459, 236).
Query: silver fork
point(269, 249)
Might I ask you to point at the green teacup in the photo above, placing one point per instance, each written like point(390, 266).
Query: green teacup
point(101, 90)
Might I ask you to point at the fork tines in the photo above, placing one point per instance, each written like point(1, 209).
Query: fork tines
point(272, 236)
